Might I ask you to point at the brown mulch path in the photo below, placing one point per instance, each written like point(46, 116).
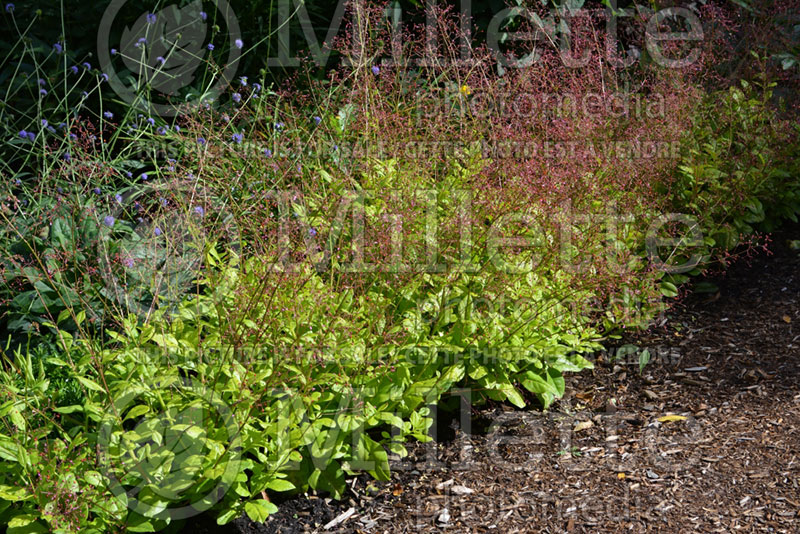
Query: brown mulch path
point(601, 460)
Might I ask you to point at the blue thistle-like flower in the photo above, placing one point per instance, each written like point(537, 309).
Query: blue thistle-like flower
point(160, 59)
point(239, 44)
point(201, 141)
point(317, 120)
point(9, 8)
point(203, 15)
point(256, 87)
point(113, 51)
point(108, 115)
point(109, 220)
point(23, 134)
point(151, 18)
point(98, 191)
point(43, 92)
point(199, 210)
point(268, 152)
point(118, 198)
point(210, 46)
point(74, 69)
point(237, 138)
point(157, 231)
point(87, 65)
point(31, 137)
point(243, 81)
point(151, 121)
point(66, 157)
point(161, 130)
point(144, 177)
point(41, 81)
point(236, 97)
point(58, 48)
point(376, 70)
point(104, 76)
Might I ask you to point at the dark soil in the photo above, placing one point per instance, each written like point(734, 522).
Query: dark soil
point(603, 459)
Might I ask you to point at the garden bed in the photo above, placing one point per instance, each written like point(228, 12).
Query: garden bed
point(728, 363)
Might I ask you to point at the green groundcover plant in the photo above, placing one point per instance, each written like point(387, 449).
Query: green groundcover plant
point(271, 291)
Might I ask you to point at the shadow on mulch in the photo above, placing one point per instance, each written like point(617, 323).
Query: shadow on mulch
point(705, 439)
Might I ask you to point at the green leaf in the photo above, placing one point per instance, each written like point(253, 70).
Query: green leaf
point(89, 384)
point(13, 493)
point(331, 479)
point(259, 510)
point(139, 523)
point(136, 411)
point(227, 516)
point(705, 287)
point(535, 383)
point(644, 359)
point(514, 396)
point(669, 290)
point(26, 524)
point(280, 484)
point(93, 477)
point(375, 457)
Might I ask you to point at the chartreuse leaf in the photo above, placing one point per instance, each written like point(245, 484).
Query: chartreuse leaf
point(280, 484)
point(330, 479)
point(26, 524)
point(259, 510)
